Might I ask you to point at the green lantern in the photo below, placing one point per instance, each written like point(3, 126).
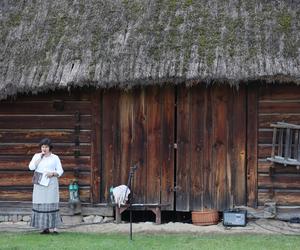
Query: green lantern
point(74, 192)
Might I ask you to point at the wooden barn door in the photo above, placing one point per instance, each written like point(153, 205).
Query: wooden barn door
point(138, 127)
point(211, 147)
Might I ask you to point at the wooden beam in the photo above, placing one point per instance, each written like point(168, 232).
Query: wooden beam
point(95, 147)
point(252, 141)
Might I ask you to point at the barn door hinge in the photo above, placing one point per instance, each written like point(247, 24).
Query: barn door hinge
point(174, 189)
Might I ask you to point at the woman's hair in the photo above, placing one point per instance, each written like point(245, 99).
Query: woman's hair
point(46, 141)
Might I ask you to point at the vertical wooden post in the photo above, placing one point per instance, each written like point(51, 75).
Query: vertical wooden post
point(252, 130)
point(95, 149)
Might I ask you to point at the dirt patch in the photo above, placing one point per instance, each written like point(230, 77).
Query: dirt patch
point(261, 226)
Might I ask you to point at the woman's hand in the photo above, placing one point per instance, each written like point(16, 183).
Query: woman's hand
point(37, 162)
point(51, 174)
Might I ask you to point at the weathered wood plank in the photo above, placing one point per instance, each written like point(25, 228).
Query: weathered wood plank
point(139, 144)
point(197, 125)
point(107, 143)
point(74, 94)
point(21, 162)
point(14, 179)
point(44, 122)
point(219, 166)
point(183, 152)
point(167, 149)
point(265, 136)
point(237, 146)
point(45, 107)
point(287, 197)
point(264, 151)
point(282, 106)
point(208, 151)
point(34, 136)
point(116, 167)
point(126, 127)
point(30, 149)
point(278, 92)
point(279, 181)
point(252, 149)
point(95, 147)
point(154, 144)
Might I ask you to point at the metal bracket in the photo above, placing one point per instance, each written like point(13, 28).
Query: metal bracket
point(77, 129)
point(77, 116)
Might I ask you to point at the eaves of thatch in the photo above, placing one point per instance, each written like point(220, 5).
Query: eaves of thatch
point(106, 43)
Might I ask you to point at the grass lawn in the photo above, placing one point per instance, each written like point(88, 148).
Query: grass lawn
point(121, 241)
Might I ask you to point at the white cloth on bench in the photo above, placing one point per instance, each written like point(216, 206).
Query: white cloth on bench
point(121, 194)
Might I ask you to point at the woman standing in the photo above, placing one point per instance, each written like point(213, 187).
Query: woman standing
point(45, 198)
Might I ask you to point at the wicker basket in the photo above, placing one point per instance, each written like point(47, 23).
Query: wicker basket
point(205, 217)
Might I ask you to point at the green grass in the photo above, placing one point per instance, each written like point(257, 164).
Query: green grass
point(153, 241)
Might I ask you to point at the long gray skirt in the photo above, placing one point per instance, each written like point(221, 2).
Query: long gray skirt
point(45, 206)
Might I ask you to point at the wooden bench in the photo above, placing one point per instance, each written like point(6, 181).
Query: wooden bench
point(154, 207)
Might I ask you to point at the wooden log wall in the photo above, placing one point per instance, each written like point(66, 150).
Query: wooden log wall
point(103, 133)
point(65, 117)
point(277, 103)
point(138, 127)
point(211, 139)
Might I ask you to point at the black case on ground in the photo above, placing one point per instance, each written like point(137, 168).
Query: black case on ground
point(235, 218)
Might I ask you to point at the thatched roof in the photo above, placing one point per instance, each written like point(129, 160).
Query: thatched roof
point(53, 44)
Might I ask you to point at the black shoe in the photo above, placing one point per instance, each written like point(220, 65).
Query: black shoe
point(55, 232)
point(46, 231)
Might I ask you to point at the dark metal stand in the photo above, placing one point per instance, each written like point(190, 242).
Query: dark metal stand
point(131, 173)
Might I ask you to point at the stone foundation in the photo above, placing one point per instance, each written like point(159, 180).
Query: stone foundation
point(71, 215)
point(67, 219)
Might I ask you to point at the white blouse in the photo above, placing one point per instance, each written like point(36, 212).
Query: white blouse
point(49, 163)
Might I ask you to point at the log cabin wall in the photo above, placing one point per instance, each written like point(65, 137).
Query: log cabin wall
point(211, 141)
point(103, 133)
point(62, 116)
point(138, 126)
point(276, 103)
